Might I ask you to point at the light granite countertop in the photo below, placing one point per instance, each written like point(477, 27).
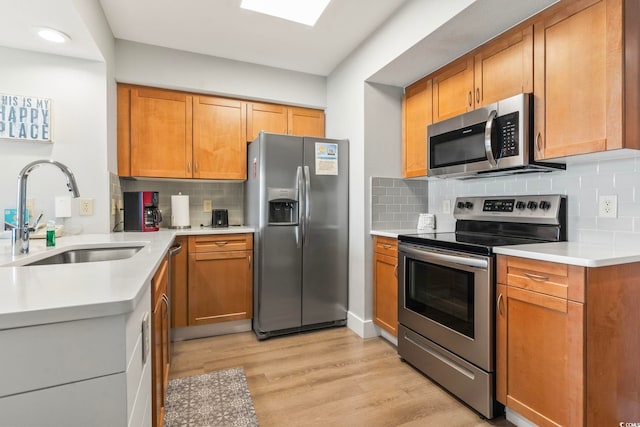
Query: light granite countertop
point(32, 295)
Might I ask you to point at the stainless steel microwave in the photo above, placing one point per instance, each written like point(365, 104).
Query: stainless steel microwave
point(496, 139)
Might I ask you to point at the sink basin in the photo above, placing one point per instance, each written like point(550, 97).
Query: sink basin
point(73, 256)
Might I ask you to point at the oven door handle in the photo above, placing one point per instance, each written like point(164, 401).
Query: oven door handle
point(425, 255)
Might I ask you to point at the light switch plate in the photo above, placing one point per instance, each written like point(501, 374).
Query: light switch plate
point(206, 206)
point(63, 206)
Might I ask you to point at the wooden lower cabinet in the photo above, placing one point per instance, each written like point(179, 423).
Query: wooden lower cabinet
point(220, 278)
point(385, 284)
point(566, 341)
point(160, 342)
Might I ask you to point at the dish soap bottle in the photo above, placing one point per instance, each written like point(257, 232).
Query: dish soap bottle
point(51, 233)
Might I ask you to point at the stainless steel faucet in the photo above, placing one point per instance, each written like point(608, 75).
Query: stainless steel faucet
point(20, 245)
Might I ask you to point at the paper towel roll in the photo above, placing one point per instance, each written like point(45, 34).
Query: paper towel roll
point(180, 211)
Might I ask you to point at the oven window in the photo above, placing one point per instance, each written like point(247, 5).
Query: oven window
point(443, 294)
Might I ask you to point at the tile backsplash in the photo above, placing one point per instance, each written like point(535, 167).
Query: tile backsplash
point(582, 183)
point(223, 195)
point(396, 203)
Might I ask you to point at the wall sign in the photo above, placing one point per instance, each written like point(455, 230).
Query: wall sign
point(25, 117)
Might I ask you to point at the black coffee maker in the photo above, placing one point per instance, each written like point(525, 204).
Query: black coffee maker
point(141, 212)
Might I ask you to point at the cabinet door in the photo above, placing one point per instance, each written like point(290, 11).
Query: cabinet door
point(305, 122)
point(385, 296)
point(157, 368)
point(267, 117)
point(160, 345)
point(417, 115)
point(578, 79)
point(220, 287)
point(545, 358)
point(501, 343)
point(161, 133)
point(504, 67)
point(179, 291)
point(219, 138)
point(453, 89)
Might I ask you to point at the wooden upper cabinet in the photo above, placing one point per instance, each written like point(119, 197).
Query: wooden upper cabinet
point(504, 67)
point(267, 117)
point(305, 122)
point(161, 133)
point(276, 118)
point(453, 89)
point(219, 138)
point(579, 79)
point(417, 115)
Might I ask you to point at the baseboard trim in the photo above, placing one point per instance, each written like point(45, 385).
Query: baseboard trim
point(364, 328)
point(517, 419)
point(213, 329)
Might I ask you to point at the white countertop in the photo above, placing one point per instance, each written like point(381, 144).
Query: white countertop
point(393, 233)
point(56, 293)
point(575, 253)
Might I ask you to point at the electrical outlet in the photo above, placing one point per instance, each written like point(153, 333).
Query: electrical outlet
point(113, 206)
point(206, 206)
point(86, 207)
point(29, 204)
point(446, 206)
point(608, 206)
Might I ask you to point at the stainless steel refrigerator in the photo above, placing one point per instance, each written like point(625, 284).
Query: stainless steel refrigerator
point(297, 199)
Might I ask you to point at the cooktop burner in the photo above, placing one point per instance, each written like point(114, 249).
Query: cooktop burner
point(483, 223)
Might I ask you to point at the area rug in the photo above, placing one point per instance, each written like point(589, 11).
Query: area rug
point(216, 399)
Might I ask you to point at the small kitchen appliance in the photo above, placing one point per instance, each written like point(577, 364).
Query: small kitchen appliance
point(219, 218)
point(492, 140)
point(141, 212)
point(447, 289)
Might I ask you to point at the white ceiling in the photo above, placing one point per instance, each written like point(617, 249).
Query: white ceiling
point(221, 28)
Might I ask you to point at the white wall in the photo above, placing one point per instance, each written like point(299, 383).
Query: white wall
point(79, 134)
point(346, 118)
point(583, 183)
point(174, 69)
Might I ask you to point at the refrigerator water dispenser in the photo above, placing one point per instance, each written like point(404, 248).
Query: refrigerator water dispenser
point(283, 206)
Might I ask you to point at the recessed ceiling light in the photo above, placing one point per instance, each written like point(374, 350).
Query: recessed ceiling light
point(304, 12)
point(52, 35)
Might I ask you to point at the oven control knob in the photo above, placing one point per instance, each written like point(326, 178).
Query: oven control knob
point(532, 205)
point(545, 205)
point(468, 205)
point(521, 205)
point(460, 205)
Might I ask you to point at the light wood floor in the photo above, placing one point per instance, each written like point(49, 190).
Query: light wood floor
point(327, 378)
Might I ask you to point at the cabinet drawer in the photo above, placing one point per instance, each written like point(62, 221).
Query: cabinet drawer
point(220, 242)
point(549, 278)
point(385, 246)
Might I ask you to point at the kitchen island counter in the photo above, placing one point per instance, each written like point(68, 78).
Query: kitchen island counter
point(34, 295)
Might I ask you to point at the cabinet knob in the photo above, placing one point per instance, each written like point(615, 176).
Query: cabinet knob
point(188, 167)
point(221, 243)
point(538, 142)
point(499, 307)
point(395, 270)
point(469, 99)
point(477, 95)
point(386, 246)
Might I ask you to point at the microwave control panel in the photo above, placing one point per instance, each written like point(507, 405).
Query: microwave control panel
point(507, 127)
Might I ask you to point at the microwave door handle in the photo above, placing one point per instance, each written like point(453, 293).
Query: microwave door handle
point(487, 139)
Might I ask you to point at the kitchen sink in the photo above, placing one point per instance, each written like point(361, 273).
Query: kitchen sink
point(96, 254)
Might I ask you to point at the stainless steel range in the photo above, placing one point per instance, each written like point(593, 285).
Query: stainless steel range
point(446, 295)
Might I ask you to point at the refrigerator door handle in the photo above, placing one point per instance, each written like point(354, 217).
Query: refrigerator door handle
point(300, 227)
point(307, 205)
